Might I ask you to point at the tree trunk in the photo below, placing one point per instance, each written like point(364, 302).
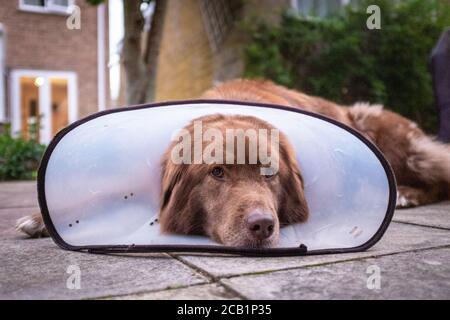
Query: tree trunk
point(131, 51)
point(153, 46)
point(140, 62)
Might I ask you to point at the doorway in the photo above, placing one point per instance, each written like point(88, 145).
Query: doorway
point(43, 103)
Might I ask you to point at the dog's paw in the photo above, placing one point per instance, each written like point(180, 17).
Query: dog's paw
point(32, 225)
point(406, 198)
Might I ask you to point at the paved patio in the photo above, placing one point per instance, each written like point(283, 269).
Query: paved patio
point(413, 259)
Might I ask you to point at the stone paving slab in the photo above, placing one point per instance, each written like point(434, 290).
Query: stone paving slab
point(413, 275)
point(435, 215)
point(212, 291)
point(36, 269)
point(398, 238)
point(18, 194)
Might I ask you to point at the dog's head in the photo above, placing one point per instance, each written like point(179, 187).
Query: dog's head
point(234, 204)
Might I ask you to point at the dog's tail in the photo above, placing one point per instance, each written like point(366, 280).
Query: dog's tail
point(429, 159)
point(32, 225)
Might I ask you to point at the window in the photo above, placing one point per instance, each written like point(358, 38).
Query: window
point(47, 6)
point(319, 8)
point(42, 103)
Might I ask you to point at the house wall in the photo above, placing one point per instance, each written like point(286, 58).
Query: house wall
point(42, 41)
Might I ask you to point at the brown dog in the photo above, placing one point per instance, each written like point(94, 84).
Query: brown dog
point(421, 166)
point(232, 203)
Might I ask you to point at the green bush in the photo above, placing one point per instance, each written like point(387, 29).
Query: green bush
point(19, 158)
point(340, 59)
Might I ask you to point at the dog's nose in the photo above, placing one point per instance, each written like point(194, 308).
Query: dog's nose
point(260, 225)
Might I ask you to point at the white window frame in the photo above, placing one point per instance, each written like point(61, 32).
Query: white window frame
point(2, 74)
point(49, 7)
point(45, 110)
point(101, 59)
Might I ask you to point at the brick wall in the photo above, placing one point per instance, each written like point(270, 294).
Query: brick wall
point(42, 41)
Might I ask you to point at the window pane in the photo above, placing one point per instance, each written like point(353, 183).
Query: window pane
point(29, 97)
point(40, 3)
point(320, 8)
point(59, 104)
point(306, 7)
point(62, 3)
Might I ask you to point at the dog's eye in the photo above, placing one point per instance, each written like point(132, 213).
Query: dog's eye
point(269, 176)
point(269, 173)
point(217, 172)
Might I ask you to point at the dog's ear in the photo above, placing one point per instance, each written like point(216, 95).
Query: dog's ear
point(293, 207)
point(179, 211)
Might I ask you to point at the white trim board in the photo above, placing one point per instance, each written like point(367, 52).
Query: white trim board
point(2, 75)
point(101, 60)
point(45, 132)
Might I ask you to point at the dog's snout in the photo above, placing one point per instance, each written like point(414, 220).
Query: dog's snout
point(260, 225)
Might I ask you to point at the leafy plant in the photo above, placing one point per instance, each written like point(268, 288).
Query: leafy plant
point(339, 58)
point(19, 157)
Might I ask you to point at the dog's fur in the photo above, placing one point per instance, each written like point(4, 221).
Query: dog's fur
point(421, 166)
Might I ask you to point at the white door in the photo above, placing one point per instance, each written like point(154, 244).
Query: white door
point(42, 103)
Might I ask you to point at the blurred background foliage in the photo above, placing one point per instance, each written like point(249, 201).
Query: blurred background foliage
point(339, 58)
point(19, 157)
